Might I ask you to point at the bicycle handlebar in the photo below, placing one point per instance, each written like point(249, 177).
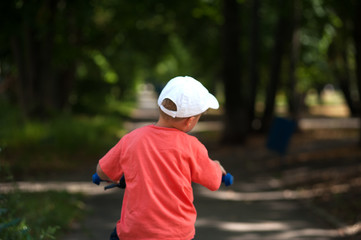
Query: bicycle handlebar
point(96, 180)
point(226, 179)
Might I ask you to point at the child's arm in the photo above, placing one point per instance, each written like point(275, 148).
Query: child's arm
point(102, 175)
point(222, 169)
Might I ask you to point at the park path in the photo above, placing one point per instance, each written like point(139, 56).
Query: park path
point(255, 207)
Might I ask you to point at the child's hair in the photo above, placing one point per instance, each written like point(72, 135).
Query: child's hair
point(170, 105)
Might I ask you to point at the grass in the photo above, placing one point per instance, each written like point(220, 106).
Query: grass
point(34, 148)
point(64, 133)
point(37, 216)
point(42, 215)
point(66, 142)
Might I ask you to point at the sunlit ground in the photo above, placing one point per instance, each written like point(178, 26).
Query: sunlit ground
point(233, 214)
point(244, 211)
point(330, 103)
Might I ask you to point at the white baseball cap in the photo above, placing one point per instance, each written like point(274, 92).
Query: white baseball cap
point(189, 95)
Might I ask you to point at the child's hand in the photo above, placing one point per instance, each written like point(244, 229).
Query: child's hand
point(222, 169)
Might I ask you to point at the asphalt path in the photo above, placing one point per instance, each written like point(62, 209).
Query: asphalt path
point(255, 207)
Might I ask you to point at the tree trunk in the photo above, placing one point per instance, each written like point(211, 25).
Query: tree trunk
point(293, 95)
point(66, 78)
point(280, 40)
point(343, 76)
point(42, 88)
point(357, 41)
point(235, 124)
point(338, 61)
point(48, 86)
point(24, 49)
point(253, 59)
point(22, 89)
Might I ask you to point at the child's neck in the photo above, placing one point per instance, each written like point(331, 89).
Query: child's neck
point(163, 123)
point(168, 124)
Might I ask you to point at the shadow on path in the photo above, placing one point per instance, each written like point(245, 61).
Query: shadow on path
point(254, 208)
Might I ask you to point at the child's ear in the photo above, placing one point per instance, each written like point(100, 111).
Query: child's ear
point(188, 121)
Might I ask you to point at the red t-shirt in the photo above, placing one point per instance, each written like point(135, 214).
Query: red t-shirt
point(159, 165)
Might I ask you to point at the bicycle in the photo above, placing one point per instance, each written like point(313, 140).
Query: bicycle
point(226, 179)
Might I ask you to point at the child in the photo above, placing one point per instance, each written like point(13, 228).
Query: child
point(159, 163)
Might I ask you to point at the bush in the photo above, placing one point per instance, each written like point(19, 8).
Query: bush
point(62, 143)
point(34, 216)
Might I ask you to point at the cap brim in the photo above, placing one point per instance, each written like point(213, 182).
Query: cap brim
point(213, 102)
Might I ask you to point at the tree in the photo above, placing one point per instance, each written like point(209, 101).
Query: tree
point(339, 62)
point(339, 51)
point(292, 93)
point(41, 43)
point(357, 42)
point(281, 38)
point(254, 62)
point(236, 122)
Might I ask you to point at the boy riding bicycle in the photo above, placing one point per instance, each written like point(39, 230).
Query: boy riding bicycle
point(159, 163)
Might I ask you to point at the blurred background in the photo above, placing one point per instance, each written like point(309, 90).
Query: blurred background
point(71, 73)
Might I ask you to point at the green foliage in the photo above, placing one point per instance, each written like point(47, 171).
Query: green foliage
point(84, 57)
point(93, 49)
point(36, 216)
point(63, 142)
point(62, 134)
point(33, 216)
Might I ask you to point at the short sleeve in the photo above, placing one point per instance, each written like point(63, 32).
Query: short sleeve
point(110, 163)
